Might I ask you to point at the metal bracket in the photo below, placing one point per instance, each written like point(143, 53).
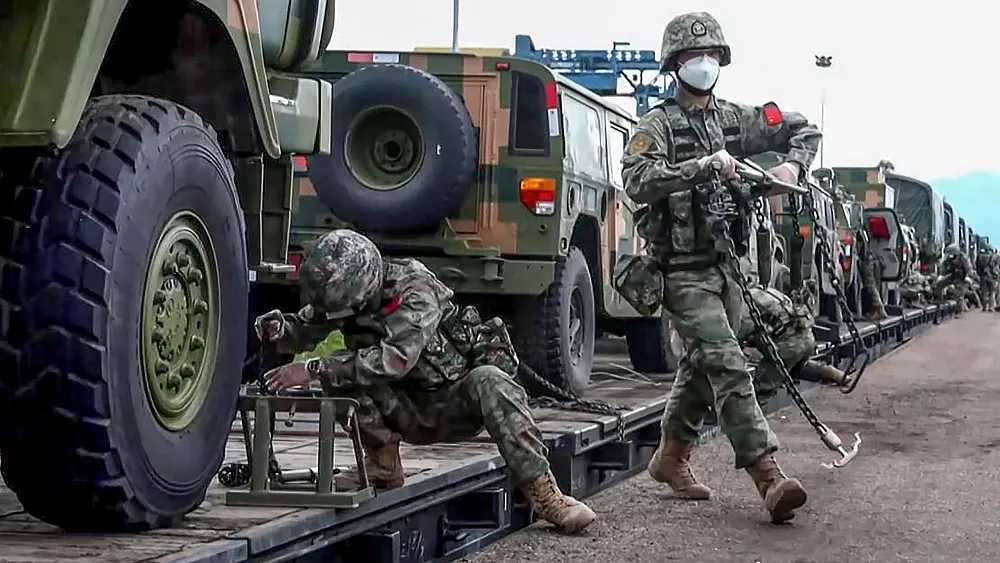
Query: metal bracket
point(298, 488)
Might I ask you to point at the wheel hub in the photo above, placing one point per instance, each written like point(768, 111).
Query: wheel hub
point(384, 148)
point(180, 326)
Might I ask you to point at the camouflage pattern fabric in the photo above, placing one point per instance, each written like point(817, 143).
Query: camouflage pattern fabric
point(988, 268)
point(995, 270)
point(661, 170)
point(956, 270)
point(696, 30)
point(639, 281)
point(704, 308)
point(914, 290)
point(421, 367)
point(341, 272)
point(867, 265)
point(790, 326)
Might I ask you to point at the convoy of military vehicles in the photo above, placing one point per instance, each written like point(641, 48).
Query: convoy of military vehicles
point(147, 198)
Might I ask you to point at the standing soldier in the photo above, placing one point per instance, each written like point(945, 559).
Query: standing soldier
point(985, 267)
point(677, 146)
point(995, 273)
point(868, 263)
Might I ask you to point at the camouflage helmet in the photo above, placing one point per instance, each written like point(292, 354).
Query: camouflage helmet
point(694, 30)
point(952, 250)
point(341, 273)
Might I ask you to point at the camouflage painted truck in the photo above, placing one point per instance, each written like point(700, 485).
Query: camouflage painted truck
point(897, 213)
point(503, 177)
point(146, 180)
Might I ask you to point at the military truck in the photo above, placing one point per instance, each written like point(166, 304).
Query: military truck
point(889, 235)
point(923, 209)
point(146, 175)
point(502, 176)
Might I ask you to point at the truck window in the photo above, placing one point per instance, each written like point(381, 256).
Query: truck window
point(582, 130)
point(529, 122)
point(617, 138)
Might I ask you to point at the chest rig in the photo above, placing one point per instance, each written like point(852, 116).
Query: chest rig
point(681, 220)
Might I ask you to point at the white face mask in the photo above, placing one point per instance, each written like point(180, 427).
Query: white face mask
point(700, 73)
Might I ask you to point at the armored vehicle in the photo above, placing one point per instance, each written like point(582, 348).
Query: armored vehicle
point(503, 176)
point(145, 161)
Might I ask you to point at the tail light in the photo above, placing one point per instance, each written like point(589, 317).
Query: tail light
point(804, 231)
point(879, 228)
point(299, 164)
point(845, 264)
point(925, 267)
point(295, 259)
point(538, 195)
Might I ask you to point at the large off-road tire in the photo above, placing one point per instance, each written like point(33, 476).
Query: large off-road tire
point(648, 343)
point(405, 151)
point(124, 295)
point(554, 333)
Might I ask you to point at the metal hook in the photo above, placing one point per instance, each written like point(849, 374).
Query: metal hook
point(834, 443)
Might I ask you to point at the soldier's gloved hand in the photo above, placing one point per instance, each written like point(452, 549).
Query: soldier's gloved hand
point(721, 160)
point(270, 326)
point(787, 172)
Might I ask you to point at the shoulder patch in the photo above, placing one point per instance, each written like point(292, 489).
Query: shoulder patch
point(640, 143)
point(772, 114)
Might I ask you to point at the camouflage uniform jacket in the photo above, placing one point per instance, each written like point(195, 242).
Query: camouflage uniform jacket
point(778, 312)
point(419, 336)
point(956, 268)
point(660, 166)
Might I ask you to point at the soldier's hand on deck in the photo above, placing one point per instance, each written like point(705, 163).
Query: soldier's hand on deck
point(287, 376)
point(787, 172)
point(270, 326)
point(722, 161)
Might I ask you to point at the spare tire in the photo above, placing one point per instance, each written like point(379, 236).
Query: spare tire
point(404, 151)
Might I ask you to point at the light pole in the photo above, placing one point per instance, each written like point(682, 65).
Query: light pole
point(822, 61)
point(454, 26)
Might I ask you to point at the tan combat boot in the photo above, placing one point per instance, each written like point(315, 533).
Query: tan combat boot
point(781, 494)
point(382, 463)
point(566, 513)
point(670, 465)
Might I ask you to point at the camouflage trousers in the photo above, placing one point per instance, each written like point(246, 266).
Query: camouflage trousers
point(793, 348)
point(988, 288)
point(486, 397)
point(705, 307)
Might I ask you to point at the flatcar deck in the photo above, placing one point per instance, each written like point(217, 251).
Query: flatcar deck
point(457, 497)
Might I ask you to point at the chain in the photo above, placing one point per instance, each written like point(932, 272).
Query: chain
point(563, 399)
point(859, 348)
point(761, 335)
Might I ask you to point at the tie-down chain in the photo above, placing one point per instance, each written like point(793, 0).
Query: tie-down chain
point(725, 245)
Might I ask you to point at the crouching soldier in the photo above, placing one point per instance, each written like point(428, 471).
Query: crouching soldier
point(790, 324)
point(422, 369)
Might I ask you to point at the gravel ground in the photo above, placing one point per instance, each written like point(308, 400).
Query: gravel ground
point(923, 488)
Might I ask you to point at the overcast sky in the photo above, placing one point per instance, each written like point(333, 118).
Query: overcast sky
point(888, 96)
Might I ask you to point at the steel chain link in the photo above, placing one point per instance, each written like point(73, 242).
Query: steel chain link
point(764, 340)
point(858, 348)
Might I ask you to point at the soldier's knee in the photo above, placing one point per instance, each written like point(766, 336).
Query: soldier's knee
point(492, 378)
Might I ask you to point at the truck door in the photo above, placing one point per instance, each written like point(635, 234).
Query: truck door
point(886, 233)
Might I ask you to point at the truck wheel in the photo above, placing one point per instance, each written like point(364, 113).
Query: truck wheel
point(555, 331)
point(407, 151)
point(124, 295)
point(649, 345)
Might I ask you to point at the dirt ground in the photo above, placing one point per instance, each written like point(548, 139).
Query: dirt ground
point(924, 487)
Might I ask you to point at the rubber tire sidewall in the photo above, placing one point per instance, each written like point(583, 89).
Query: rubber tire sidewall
point(449, 164)
point(189, 459)
point(648, 341)
point(575, 274)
